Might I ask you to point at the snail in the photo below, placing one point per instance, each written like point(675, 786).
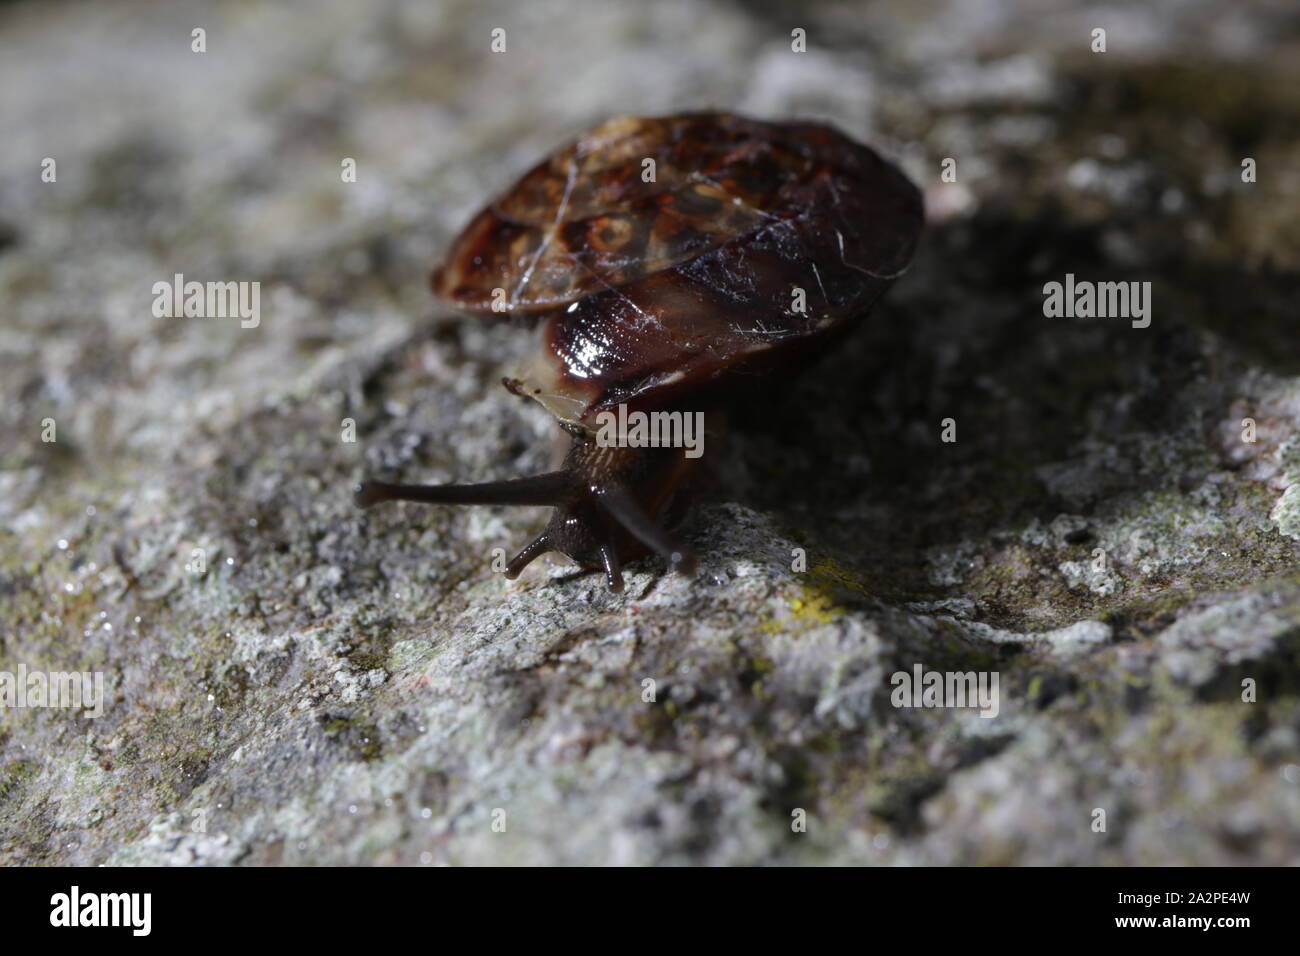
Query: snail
point(666, 264)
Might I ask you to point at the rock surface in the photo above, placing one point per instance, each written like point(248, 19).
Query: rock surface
point(332, 687)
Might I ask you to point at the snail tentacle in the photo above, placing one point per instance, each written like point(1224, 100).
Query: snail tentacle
point(531, 552)
point(546, 489)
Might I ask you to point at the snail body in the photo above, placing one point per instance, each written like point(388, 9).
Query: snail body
point(666, 263)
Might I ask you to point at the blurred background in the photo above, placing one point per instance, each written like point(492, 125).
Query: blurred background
point(333, 688)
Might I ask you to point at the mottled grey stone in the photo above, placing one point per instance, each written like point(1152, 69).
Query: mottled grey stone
point(348, 688)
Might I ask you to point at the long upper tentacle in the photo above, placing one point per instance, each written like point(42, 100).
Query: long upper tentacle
point(546, 489)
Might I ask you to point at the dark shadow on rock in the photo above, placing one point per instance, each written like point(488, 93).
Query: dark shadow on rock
point(849, 455)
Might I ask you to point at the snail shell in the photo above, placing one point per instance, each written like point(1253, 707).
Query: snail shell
point(648, 290)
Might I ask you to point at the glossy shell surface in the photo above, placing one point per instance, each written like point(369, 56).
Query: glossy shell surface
point(648, 291)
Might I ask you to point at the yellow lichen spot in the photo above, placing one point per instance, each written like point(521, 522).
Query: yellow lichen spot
point(1035, 687)
point(813, 602)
